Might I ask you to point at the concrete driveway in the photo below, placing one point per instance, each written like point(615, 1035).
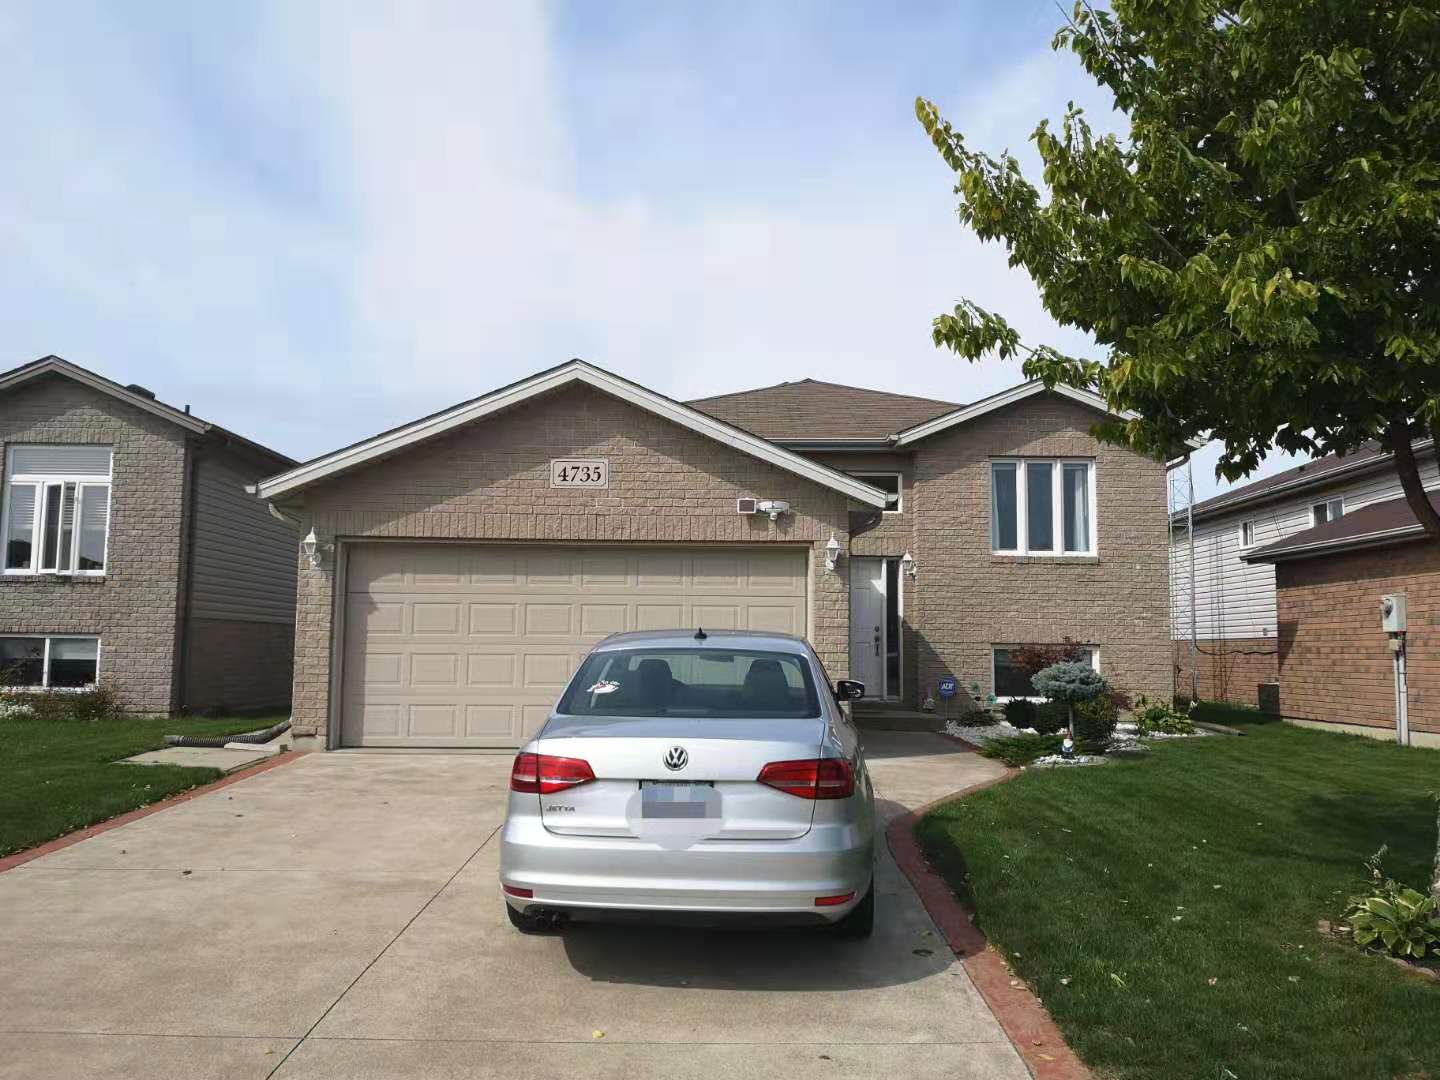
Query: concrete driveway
point(339, 917)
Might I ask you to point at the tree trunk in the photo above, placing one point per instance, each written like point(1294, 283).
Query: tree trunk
point(1398, 438)
point(1435, 871)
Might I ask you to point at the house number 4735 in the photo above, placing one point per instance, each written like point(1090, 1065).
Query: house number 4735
point(580, 472)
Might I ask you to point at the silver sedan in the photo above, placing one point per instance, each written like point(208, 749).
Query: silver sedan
point(702, 777)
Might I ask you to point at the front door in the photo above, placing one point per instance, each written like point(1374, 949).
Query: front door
point(867, 625)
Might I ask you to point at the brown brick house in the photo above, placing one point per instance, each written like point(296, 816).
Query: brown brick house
point(1335, 662)
point(132, 554)
point(464, 563)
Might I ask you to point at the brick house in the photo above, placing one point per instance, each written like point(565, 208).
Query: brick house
point(132, 554)
point(463, 564)
point(1235, 618)
point(1334, 661)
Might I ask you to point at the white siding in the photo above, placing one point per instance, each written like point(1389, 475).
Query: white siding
point(1236, 599)
point(244, 560)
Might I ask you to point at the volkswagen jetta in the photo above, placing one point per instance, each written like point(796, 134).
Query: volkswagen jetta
point(693, 776)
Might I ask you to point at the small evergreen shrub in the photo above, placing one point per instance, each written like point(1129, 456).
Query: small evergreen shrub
point(1050, 717)
point(1020, 713)
point(1095, 719)
point(1017, 750)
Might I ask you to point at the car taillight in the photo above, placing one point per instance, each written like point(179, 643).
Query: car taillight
point(813, 778)
point(543, 774)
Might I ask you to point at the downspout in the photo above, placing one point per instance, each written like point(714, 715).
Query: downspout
point(181, 683)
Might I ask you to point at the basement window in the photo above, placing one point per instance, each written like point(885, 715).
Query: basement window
point(52, 662)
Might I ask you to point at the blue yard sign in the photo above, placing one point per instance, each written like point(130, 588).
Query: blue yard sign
point(947, 686)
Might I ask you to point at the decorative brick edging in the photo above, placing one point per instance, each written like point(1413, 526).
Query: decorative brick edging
point(1024, 1020)
point(9, 862)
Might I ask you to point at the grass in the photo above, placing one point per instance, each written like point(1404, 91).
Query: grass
point(56, 777)
point(1178, 896)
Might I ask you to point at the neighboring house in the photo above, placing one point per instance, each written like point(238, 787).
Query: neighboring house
point(1335, 662)
point(1236, 623)
point(465, 562)
point(132, 555)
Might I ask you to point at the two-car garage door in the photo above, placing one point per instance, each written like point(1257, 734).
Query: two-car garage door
point(469, 645)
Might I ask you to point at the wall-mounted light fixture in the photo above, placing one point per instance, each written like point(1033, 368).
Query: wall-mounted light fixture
point(311, 546)
point(832, 553)
point(907, 564)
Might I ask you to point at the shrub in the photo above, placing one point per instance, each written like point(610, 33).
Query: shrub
point(1095, 719)
point(1155, 716)
point(1033, 659)
point(62, 706)
point(1070, 681)
point(1393, 918)
point(1017, 750)
point(1020, 713)
point(1050, 717)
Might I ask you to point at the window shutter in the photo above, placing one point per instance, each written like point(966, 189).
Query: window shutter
point(60, 460)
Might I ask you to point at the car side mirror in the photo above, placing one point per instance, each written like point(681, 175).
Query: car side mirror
point(849, 690)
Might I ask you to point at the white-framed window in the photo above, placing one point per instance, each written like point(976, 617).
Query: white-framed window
point(1011, 682)
point(49, 661)
point(889, 482)
point(1329, 510)
point(1042, 506)
point(1247, 533)
point(56, 511)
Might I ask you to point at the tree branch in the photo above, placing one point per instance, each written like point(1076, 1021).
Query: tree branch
point(1416, 497)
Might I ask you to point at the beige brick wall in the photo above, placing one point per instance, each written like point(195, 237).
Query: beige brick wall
point(1228, 669)
point(133, 607)
point(490, 481)
point(238, 664)
point(967, 599)
point(1335, 663)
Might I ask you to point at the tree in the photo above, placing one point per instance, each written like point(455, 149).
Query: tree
point(1258, 256)
point(1069, 682)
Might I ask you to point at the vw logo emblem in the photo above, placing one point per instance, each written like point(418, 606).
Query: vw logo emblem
point(676, 758)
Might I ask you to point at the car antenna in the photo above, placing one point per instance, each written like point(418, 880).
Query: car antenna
point(700, 634)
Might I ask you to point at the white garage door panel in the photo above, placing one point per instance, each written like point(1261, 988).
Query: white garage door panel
point(471, 645)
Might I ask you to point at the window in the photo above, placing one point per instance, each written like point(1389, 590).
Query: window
point(703, 684)
point(58, 662)
point(1011, 681)
point(1328, 510)
point(1247, 534)
point(57, 509)
point(888, 482)
point(1042, 507)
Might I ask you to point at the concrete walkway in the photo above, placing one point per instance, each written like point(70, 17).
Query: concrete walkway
point(339, 917)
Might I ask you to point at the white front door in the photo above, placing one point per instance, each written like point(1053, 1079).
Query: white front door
point(867, 625)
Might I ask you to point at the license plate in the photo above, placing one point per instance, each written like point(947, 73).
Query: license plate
point(667, 799)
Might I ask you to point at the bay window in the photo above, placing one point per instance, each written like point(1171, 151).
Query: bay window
point(55, 662)
point(1042, 506)
point(56, 511)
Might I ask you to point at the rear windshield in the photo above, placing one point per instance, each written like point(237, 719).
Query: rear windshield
point(710, 683)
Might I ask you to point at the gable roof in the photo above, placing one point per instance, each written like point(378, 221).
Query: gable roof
point(1380, 523)
point(814, 411)
point(1002, 400)
point(1331, 467)
point(575, 371)
point(131, 395)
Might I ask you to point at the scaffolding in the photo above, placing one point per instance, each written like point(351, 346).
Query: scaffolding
point(1182, 574)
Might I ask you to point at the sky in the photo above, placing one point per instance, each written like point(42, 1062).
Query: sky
point(315, 221)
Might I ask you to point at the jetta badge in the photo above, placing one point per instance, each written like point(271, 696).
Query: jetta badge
point(676, 758)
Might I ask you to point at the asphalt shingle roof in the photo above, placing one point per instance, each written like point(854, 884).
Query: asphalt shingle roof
point(811, 409)
point(1381, 517)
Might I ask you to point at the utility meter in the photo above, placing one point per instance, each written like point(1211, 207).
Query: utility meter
point(1392, 613)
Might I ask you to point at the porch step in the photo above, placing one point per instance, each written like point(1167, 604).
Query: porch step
point(894, 718)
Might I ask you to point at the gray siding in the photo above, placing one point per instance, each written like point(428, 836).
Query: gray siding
point(244, 560)
point(1236, 599)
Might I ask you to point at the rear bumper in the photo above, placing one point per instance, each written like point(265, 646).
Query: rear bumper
point(779, 878)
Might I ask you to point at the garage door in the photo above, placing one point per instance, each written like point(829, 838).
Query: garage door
point(471, 645)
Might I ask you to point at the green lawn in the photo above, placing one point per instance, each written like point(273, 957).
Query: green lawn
point(1179, 895)
point(59, 777)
